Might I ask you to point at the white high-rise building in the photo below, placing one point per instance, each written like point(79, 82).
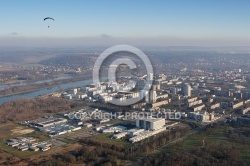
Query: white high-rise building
point(151, 76)
point(186, 89)
point(174, 90)
point(152, 96)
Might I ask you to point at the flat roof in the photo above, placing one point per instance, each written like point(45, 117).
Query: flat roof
point(51, 121)
point(152, 120)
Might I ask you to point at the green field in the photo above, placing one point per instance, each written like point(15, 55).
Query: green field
point(5, 130)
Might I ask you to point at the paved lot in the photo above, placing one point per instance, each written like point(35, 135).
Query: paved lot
point(77, 135)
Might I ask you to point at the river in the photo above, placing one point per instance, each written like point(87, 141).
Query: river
point(5, 86)
point(46, 90)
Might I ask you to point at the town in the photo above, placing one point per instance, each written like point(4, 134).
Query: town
point(170, 102)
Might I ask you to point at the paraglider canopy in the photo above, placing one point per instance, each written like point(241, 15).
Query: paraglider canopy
point(48, 18)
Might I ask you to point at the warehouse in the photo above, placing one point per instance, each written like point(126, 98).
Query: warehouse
point(113, 129)
point(62, 129)
point(120, 135)
point(145, 134)
point(46, 122)
point(133, 132)
point(52, 122)
point(150, 124)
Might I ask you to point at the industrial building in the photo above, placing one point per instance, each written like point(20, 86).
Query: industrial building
point(131, 133)
point(150, 124)
point(113, 129)
point(120, 135)
point(61, 129)
point(53, 126)
point(46, 122)
point(145, 134)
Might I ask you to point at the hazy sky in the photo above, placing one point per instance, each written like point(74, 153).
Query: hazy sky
point(167, 22)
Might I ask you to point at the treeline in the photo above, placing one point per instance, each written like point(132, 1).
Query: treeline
point(88, 156)
point(26, 109)
point(238, 132)
point(208, 155)
point(103, 156)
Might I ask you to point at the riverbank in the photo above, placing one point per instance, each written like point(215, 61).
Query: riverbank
point(46, 90)
point(34, 87)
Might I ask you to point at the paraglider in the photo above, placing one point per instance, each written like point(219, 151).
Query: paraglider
point(48, 18)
